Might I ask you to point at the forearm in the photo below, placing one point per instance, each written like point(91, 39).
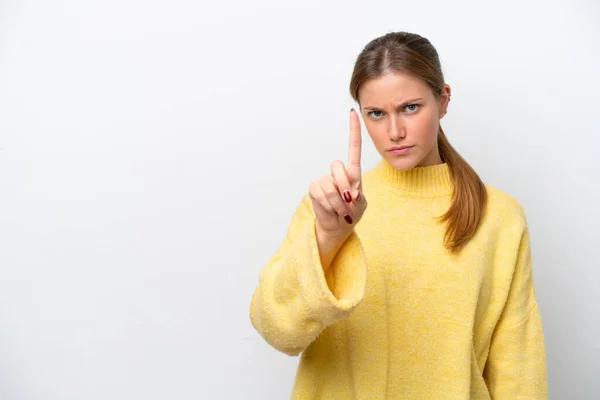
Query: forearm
point(293, 302)
point(329, 245)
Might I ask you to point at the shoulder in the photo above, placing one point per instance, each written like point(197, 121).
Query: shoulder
point(504, 209)
point(503, 227)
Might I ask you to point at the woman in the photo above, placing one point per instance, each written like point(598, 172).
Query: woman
point(428, 292)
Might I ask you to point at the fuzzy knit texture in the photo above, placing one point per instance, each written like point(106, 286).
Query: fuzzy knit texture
point(397, 315)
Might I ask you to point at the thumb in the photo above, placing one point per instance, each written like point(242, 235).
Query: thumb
point(357, 191)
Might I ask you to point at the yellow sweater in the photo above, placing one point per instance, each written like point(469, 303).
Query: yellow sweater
point(398, 316)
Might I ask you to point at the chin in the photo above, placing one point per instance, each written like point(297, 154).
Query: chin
point(402, 163)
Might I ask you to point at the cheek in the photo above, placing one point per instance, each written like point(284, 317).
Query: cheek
point(377, 132)
point(426, 126)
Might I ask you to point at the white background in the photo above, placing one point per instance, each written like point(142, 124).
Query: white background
point(152, 154)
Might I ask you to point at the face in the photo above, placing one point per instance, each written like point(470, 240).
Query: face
point(402, 116)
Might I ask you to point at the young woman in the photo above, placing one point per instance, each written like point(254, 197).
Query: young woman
point(427, 293)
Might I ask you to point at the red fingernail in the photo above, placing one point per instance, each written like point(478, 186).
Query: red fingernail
point(347, 196)
point(348, 219)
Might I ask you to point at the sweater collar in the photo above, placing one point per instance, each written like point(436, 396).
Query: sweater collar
point(434, 180)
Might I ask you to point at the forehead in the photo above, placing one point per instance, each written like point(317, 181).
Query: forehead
point(393, 87)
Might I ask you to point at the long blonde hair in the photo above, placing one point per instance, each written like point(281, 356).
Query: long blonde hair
point(411, 53)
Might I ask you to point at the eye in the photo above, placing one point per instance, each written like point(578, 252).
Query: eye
point(411, 108)
point(376, 114)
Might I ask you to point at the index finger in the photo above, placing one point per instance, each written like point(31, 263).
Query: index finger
point(355, 145)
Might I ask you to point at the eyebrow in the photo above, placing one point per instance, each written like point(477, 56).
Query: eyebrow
point(401, 105)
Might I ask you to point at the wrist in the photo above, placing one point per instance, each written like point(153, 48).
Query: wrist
point(331, 236)
point(329, 243)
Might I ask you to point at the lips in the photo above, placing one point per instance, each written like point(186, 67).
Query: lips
point(399, 150)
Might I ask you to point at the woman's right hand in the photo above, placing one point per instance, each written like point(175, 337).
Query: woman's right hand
point(337, 199)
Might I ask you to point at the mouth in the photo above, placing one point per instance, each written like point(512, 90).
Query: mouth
point(400, 149)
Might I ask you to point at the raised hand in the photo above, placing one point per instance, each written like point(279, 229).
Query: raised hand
point(337, 198)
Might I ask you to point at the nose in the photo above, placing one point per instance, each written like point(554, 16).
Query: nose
point(396, 128)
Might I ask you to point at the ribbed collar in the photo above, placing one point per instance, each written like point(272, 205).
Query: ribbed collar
point(434, 180)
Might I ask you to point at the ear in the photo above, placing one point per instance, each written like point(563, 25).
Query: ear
point(445, 99)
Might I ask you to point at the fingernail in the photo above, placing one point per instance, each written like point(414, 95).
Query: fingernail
point(348, 219)
point(351, 109)
point(347, 196)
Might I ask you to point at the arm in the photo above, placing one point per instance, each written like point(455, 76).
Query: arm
point(295, 298)
point(516, 366)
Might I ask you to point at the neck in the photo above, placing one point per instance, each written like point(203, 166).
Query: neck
point(432, 180)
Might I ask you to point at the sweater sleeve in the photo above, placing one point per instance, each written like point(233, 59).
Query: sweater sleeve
point(516, 366)
point(295, 300)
